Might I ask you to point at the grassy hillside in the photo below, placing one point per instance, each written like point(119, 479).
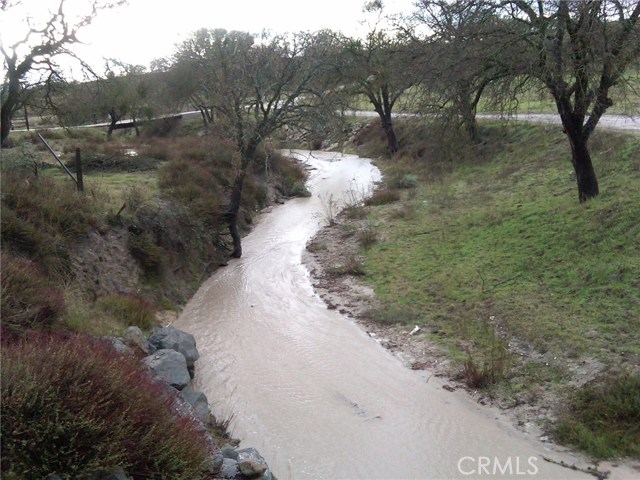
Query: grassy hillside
point(493, 255)
point(153, 206)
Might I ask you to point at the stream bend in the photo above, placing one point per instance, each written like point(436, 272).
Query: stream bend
point(310, 390)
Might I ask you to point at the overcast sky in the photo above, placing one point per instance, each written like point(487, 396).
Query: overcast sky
point(147, 29)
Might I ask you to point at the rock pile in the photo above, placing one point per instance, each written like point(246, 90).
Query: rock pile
point(171, 355)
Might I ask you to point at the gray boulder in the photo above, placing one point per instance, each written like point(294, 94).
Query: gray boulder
point(229, 468)
point(198, 402)
point(251, 468)
point(229, 452)
point(117, 344)
point(115, 473)
point(174, 339)
point(136, 339)
point(170, 366)
point(250, 463)
point(214, 464)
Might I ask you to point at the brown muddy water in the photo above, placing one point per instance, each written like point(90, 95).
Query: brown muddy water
point(311, 391)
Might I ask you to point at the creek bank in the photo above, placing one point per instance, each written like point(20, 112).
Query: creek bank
point(104, 264)
point(334, 244)
point(337, 243)
point(290, 369)
point(325, 252)
point(171, 354)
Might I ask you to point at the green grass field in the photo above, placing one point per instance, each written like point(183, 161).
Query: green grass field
point(507, 238)
point(494, 253)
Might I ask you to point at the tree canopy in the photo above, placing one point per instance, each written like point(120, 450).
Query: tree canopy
point(31, 61)
point(255, 85)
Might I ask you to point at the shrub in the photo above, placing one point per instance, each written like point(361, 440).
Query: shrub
point(194, 185)
point(367, 236)
point(383, 197)
point(170, 243)
point(255, 195)
point(292, 175)
point(135, 196)
point(355, 212)
point(402, 173)
point(492, 369)
point(175, 229)
point(294, 188)
point(41, 216)
point(330, 210)
point(50, 204)
point(72, 405)
point(118, 158)
point(129, 310)
point(409, 180)
point(19, 234)
point(22, 160)
point(149, 255)
point(476, 375)
point(28, 299)
point(603, 418)
point(352, 265)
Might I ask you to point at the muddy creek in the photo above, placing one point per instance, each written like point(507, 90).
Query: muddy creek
point(311, 391)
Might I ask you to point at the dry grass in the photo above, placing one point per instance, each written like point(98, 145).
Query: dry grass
point(29, 299)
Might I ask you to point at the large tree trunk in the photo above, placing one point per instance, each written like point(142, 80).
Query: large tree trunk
point(235, 199)
point(392, 140)
point(580, 156)
point(135, 126)
point(205, 117)
point(469, 120)
point(231, 215)
point(114, 119)
point(471, 126)
point(12, 99)
point(585, 174)
point(5, 118)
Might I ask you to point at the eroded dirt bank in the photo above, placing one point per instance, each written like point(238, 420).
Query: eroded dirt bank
point(316, 394)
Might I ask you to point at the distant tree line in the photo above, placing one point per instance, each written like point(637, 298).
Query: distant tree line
point(446, 58)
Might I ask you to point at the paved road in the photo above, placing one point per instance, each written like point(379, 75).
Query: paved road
point(610, 122)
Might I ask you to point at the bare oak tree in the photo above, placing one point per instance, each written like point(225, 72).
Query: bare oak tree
point(579, 50)
point(379, 68)
point(191, 78)
point(256, 85)
point(460, 64)
point(30, 60)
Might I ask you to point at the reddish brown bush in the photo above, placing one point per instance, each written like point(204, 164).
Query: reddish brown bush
point(72, 405)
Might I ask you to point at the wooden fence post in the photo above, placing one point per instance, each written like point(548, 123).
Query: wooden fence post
point(26, 117)
point(79, 179)
point(55, 155)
